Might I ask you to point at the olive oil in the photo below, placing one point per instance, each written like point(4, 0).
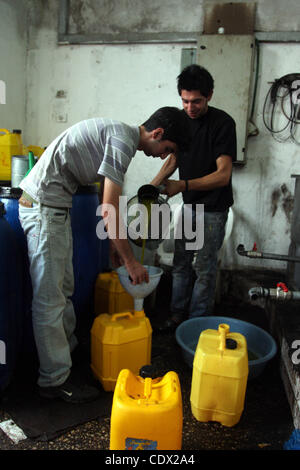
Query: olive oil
point(146, 202)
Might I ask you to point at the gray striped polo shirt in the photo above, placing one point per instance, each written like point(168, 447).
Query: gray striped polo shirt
point(78, 157)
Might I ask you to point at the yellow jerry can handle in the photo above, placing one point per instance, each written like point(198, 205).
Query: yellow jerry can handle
point(4, 131)
point(115, 316)
point(148, 387)
point(223, 330)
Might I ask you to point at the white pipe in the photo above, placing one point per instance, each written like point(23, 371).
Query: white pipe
point(229, 225)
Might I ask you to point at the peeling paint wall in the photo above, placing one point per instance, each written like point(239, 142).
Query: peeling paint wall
point(271, 15)
point(276, 15)
point(65, 84)
point(119, 16)
point(264, 189)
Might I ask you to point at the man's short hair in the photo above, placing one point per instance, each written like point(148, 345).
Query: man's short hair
point(174, 123)
point(195, 77)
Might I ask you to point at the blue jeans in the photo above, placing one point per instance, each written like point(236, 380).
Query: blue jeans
point(50, 250)
point(198, 299)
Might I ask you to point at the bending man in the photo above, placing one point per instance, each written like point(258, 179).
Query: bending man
point(84, 153)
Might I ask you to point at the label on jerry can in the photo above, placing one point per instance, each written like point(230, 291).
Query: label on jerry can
point(132, 443)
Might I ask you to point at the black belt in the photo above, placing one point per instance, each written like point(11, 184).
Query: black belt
point(27, 201)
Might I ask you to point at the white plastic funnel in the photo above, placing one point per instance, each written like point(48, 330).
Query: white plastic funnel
point(140, 291)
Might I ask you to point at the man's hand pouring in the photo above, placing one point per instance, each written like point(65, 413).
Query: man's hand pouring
point(137, 272)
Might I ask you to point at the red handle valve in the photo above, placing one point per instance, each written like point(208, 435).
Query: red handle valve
point(282, 286)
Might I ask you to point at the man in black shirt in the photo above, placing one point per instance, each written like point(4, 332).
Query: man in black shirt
point(205, 178)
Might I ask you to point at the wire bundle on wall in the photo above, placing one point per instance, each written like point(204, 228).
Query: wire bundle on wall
point(281, 111)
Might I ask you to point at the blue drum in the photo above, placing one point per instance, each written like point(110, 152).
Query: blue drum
point(11, 301)
point(9, 197)
point(90, 254)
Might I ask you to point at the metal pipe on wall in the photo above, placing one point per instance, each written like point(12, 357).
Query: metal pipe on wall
point(275, 294)
point(257, 254)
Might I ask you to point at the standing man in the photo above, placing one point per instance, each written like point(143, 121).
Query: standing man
point(84, 153)
point(205, 178)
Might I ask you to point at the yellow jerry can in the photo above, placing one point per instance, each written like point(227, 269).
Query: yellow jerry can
point(220, 374)
point(119, 341)
point(110, 296)
point(35, 149)
point(146, 413)
point(10, 144)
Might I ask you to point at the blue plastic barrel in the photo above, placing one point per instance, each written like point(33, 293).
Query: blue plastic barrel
point(294, 441)
point(11, 300)
point(90, 254)
point(9, 197)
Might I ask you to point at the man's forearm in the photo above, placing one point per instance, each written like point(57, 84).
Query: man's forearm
point(124, 250)
point(118, 234)
point(216, 179)
point(166, 170)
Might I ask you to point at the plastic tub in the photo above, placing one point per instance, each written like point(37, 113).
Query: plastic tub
point(259, 342)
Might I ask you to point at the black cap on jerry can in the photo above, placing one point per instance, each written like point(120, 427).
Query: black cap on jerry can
point(146, 371)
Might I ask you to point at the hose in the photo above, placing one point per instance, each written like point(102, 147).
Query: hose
point(255, 132)
point(284, 89)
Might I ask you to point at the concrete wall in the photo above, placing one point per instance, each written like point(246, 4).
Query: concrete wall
point(65, 84)
point(123, 16)
point(13, 48)
point(264, 189)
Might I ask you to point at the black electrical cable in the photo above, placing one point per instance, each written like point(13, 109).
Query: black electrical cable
point(282, 90)
point(255, 132)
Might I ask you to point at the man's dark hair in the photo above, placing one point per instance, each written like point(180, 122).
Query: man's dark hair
point(195, 77)
point(174, 123)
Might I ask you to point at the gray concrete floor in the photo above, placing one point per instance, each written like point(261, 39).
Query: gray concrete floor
point(266, 422)
point(265, 425)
